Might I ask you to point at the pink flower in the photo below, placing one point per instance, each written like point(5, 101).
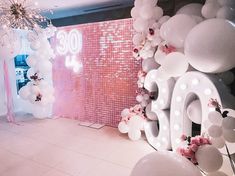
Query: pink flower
point(189, 153)
point(183, 137)
point(205, 141)
point(194, 147)
point(167, 49)
point(196, 140)
point(194, 160)
point(213, 103)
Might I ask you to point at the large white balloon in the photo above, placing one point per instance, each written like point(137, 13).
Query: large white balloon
point(175, 64)
point(24, 92)
point(228, 123)
point(174, 32)
point(194, 111)
point(123, 127)
point(215, 118)
point(209, 158)
point(215, 131)
point(164, 163)
point(10, 44)
point(134, 134)
point(226, 13)
point(229, 135)
point(218, 173)
point(210, 46)
point(191, 9)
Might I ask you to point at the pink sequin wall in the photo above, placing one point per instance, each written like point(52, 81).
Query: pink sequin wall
point(106, 83)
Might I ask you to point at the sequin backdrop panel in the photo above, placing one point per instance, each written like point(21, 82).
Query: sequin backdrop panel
point(107, 83)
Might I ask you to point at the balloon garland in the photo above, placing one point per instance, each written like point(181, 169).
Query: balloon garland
point(24, 15)
point(188, 67)
point(38, 91)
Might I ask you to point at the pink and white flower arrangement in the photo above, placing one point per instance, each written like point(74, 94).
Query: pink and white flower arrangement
point(194, 143)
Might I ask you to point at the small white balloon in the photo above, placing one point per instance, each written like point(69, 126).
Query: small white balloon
point(163, 19)
point(139, 98)
point(24, 92)
point(135, 12)
point(136, 122)
point(138, 39)
point(125, 112)
point(149, 64)
point(134, 134)
point(229, 135)
point(35, 45)
point(209, 10)
point(158, 12)
point(174, 32)
point(218, 142)
point(31, 61)
point(146, 11)
point(228, 123)
point(44, 66)
point(191, 9)
point(123, 127)
point(175, 64)
point(207, 124)
point(215, 131)
point(35, 89)
point(30, 73)
point(209, 158)
point(194, 111)
point(215, 118)
point(141, 25)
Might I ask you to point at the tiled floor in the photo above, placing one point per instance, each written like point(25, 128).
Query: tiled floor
point(60, 147)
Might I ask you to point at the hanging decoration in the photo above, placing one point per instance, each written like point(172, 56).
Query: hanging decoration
point(21, 14)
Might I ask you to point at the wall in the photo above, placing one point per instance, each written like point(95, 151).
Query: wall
point(107, 83)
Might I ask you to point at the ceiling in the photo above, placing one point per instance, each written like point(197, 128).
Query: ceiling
point(64, 8)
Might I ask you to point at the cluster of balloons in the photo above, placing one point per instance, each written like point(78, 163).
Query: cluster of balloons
point(198, 38)
point(224, 9)
point(132, 122)
point(221, 129)
point(38, 91)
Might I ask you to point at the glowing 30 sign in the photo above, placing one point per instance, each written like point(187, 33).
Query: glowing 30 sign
point(70, 43)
